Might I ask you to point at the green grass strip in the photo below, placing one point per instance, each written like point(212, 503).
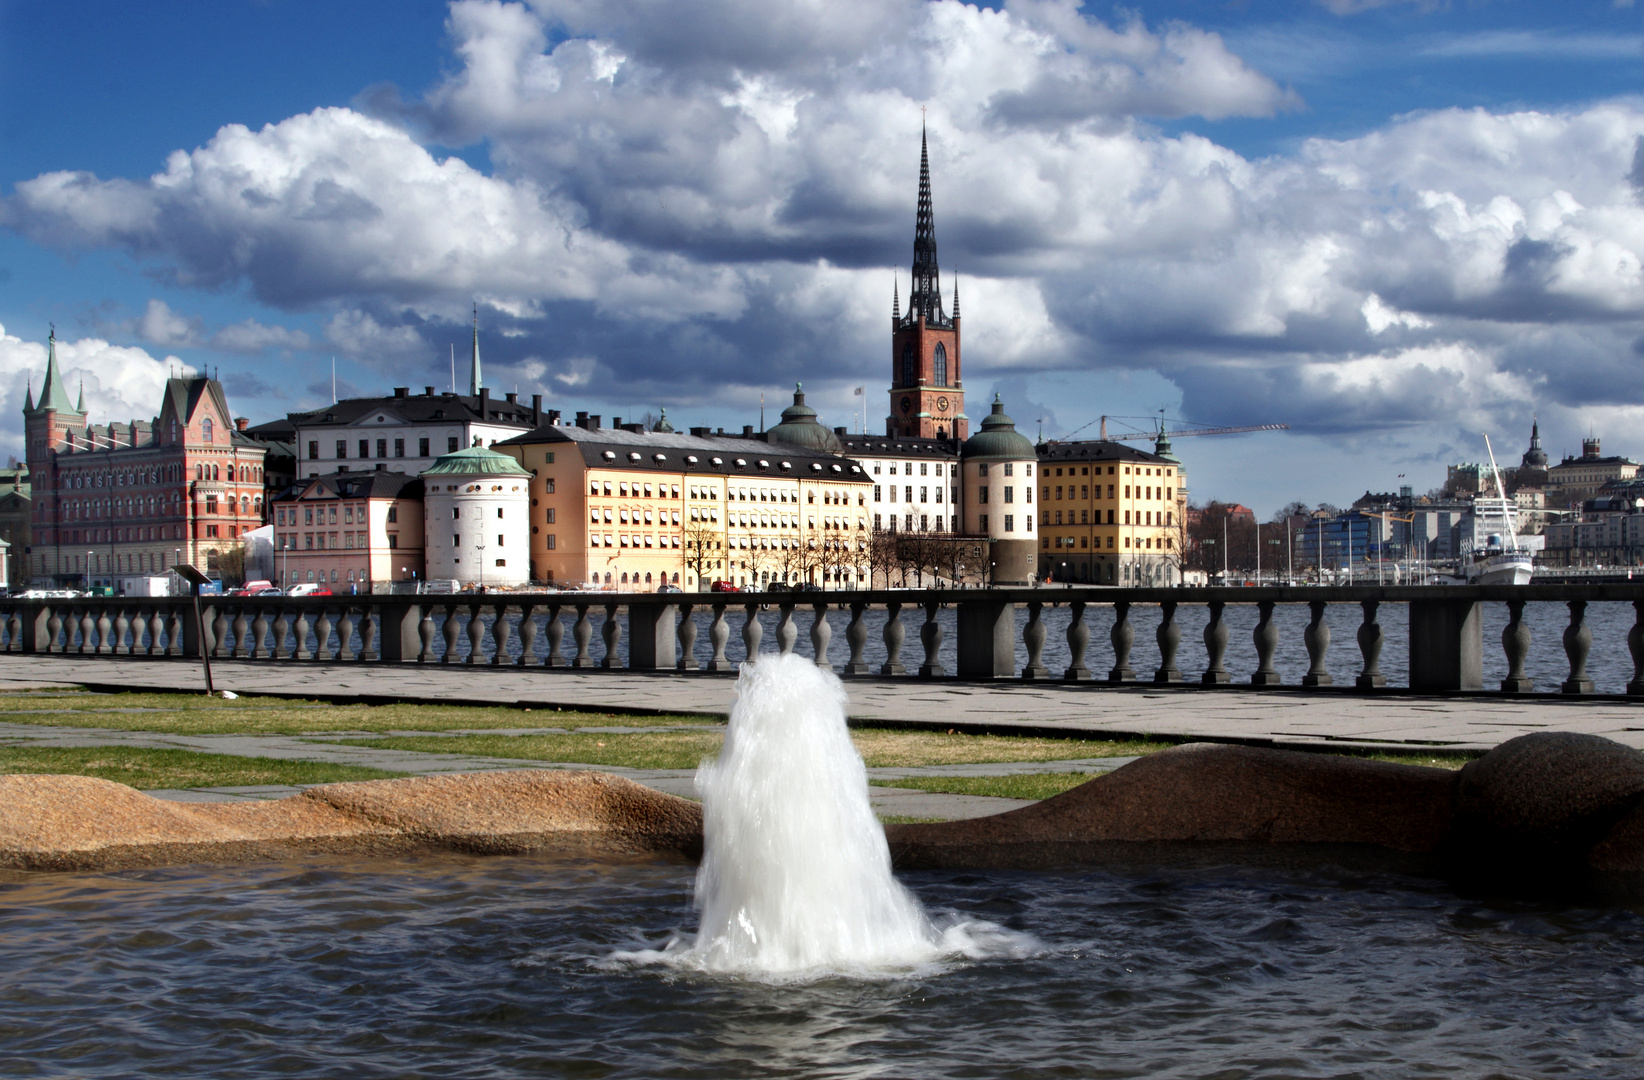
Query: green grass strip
point(146, 769)
point(1022, 786)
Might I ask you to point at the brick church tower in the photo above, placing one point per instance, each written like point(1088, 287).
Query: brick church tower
point(927, 397)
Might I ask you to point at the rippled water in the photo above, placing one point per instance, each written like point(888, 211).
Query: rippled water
point(502, 967)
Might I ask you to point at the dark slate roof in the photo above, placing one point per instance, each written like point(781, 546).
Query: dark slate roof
point(1097, 450)
point(898, 446)
point(281, 430)
point(475, 461)
point(356, 485)
point(718, 454)
point(418, 409)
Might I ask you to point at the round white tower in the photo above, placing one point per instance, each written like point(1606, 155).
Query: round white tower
point(997, 463)
point(476, 518)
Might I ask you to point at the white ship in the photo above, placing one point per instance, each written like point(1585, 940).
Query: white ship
point(1500, 561)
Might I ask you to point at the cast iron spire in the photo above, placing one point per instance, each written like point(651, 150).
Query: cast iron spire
point(925, 294)
point(474, 380)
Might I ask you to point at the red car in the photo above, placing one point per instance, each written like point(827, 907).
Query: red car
point(723, 586)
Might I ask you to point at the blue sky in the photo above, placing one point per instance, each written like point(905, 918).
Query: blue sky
point(1389, 225)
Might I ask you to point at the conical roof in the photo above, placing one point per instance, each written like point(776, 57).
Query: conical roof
point(999, 439)
point(476, 461)
point(800, 427)
point(54, 395)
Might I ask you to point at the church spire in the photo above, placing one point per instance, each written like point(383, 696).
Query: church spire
point(896, 301)
point(53, 395)
point(474, 379)
point(80, 406)
point(925, 294)
point(28, 399)
point(956, 294)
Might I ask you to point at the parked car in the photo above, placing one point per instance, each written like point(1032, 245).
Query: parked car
point(806, 586)
point(665, 587)
point(310, 588)
point(272, 590)
point(251, 588)
point(723, 586)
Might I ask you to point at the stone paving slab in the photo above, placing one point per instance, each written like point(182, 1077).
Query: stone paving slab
point(1291, 718)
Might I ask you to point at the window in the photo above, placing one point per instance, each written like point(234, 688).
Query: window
point(982, 494)
point(550, 518)
point(382, 448)
point(982, 469)
point(548, 485)
point(907, 493)
point(422, 447)
point(940, 372)
point(348, 515)
point(499, 511)
point(1084, 517)
point(938, 493)
point(500, 540)
point(877, 522)
point(211, 530)
point(313, 450)
point(342, 448)
point(552, 538)
point(205, 430)
point(910, 365)
point(308, 515)
point(924, 494)
point(399, 447)
point(456, 511)
point(876, 492)
point(211, 504)
point(984, 521)
point(456, 539)
point(451, 445)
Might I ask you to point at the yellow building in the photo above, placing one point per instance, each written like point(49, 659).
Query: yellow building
point(629, 508)
point(1110, 514)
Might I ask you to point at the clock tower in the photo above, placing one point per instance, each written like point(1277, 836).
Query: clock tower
point(927, 397)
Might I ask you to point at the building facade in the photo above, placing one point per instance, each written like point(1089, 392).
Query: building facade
point(405, 433)
point(996, 469)
point(916, 483)
point(1110, 514)
point(1576, 479)
point(16, 522)
point(476, 518)
point(135, 498)
point(636, 508)
point(351, 531)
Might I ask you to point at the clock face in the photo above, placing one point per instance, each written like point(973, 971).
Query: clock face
point(941, 404)
point(907, 404)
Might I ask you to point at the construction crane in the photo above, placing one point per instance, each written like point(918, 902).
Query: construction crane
point(1161, 436)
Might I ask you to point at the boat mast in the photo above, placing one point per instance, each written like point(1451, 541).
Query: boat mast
point(1501, 492)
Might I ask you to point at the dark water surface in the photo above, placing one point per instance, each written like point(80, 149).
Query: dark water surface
point(500, 967)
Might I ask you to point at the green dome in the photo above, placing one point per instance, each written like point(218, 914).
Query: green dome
point(476, 461)
point(800, 427)
point(999, 439)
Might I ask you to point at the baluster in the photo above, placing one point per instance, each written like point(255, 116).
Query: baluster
point(105, 631)
point(300, 630)
point(242, 643)
point(786, 632)
point(1215, 647)
point(582, 632)
point(1033, 636)
point(930, 635)
point(220, 646)
point(1635, 645)
point(821, 634)
point(1370, 643)
point(121, 625)
point(174, 636)
point(369, 619)
point(1078, 641)
point(501, 631)
point(259, 634)
point(14, 628)
point(893, 641)
point(322, 634)
point(1266, 639)
point(1578, 642)
point(718, 634)
point(1169, 638)
point(856, 636)
point(88, 631)
point(752, 632)
point(685, 633)
point(281, 626)
point(611, 633)
point(1515, 642)
point(1123, 637)
point(476, 634)
point(1317, 639)
point(346, 633)
point(156, 632)
point(556, 634)
point(527, 636)
point(54, 626)
point(450, 632)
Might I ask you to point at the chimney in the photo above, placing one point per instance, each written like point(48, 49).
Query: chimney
point(428, 391)
point(593, 421)
point(616, 422)
point(841, 432)
point(402, 391)
point(485, 402)
point(240, 424)
point(701, 432)
point(536, 410)
point(553, 418)
point(582, 420)
point(747, 431)
point(511, 398)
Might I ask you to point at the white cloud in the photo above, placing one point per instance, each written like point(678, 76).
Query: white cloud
point(120, 383)
point(1378, 316)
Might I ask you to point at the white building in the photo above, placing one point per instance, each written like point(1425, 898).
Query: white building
point(915, 481)
point(477, 518)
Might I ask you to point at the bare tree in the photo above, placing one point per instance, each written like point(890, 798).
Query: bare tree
point(882, 558)
point(702, 550)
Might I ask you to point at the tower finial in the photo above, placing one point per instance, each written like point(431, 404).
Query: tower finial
point(925, 293)
point(80, 406)
point(475, 380)
point(896, 299)
point(955, 292)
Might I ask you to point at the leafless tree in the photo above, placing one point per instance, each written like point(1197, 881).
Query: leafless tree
point(702, 550)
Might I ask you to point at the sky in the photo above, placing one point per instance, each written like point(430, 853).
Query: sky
point(1393, 226)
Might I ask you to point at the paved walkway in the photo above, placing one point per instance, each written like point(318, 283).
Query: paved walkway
point(1279, 717)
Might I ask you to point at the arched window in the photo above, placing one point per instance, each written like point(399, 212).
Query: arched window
point(910, 366)
point(205, 429)
point(940, 374)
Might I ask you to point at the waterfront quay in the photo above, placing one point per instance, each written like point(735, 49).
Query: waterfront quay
point(985, 663)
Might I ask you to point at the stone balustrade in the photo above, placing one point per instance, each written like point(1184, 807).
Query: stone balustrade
point(1445, 631)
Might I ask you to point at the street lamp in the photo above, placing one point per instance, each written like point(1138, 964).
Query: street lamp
point(89, 557)
point(1212, 542)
